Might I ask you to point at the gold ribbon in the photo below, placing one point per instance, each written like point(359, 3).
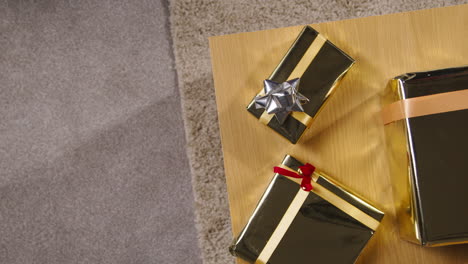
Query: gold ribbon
point(425, 105)
point(282, 227)
point(298, 71)
point(296, 205)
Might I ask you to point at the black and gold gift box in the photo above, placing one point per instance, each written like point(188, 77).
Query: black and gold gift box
point(329, 224)
point(427, 137)
point(320, 65)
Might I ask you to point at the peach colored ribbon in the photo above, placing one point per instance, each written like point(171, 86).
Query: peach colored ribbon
point(425, 105)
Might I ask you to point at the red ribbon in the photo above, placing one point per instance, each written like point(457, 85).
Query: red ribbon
point(305, 173)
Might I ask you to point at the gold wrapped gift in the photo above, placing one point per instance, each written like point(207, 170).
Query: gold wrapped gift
point(320, 65)
point(328, 224)
point(427, 137)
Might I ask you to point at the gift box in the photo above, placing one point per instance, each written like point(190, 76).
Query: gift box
point(319, 65)
point(426, 129)
point(328, 224)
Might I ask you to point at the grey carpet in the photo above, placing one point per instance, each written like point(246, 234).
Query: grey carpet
point(192, 22)
point(93, 167)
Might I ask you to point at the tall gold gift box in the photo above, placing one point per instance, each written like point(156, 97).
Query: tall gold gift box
point(428, 157)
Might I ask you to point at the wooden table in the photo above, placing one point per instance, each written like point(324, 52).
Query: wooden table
point(347, 139)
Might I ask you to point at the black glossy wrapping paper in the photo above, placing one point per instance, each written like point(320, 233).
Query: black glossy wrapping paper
point(320, 232)
point(320, 77)
point(439, 149)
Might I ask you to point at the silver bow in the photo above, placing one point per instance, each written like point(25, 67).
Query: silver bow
point(281, 99)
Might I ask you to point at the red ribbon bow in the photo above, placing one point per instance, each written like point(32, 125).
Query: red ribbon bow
point(305, 173)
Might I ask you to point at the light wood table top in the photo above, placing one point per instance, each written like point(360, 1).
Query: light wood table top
point(347, 139)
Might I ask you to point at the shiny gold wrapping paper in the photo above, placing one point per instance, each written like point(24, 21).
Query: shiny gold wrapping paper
point(319, 233)
point(319, 78)
point(428, 161)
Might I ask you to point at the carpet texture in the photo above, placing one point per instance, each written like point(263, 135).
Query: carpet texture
point(192, 22)
point(93, 167)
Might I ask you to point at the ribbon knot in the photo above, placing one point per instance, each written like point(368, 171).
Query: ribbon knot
point(304, 173)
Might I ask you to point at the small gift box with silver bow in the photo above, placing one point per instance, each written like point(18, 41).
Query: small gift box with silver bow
point(300, 85)
point(318, 221)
